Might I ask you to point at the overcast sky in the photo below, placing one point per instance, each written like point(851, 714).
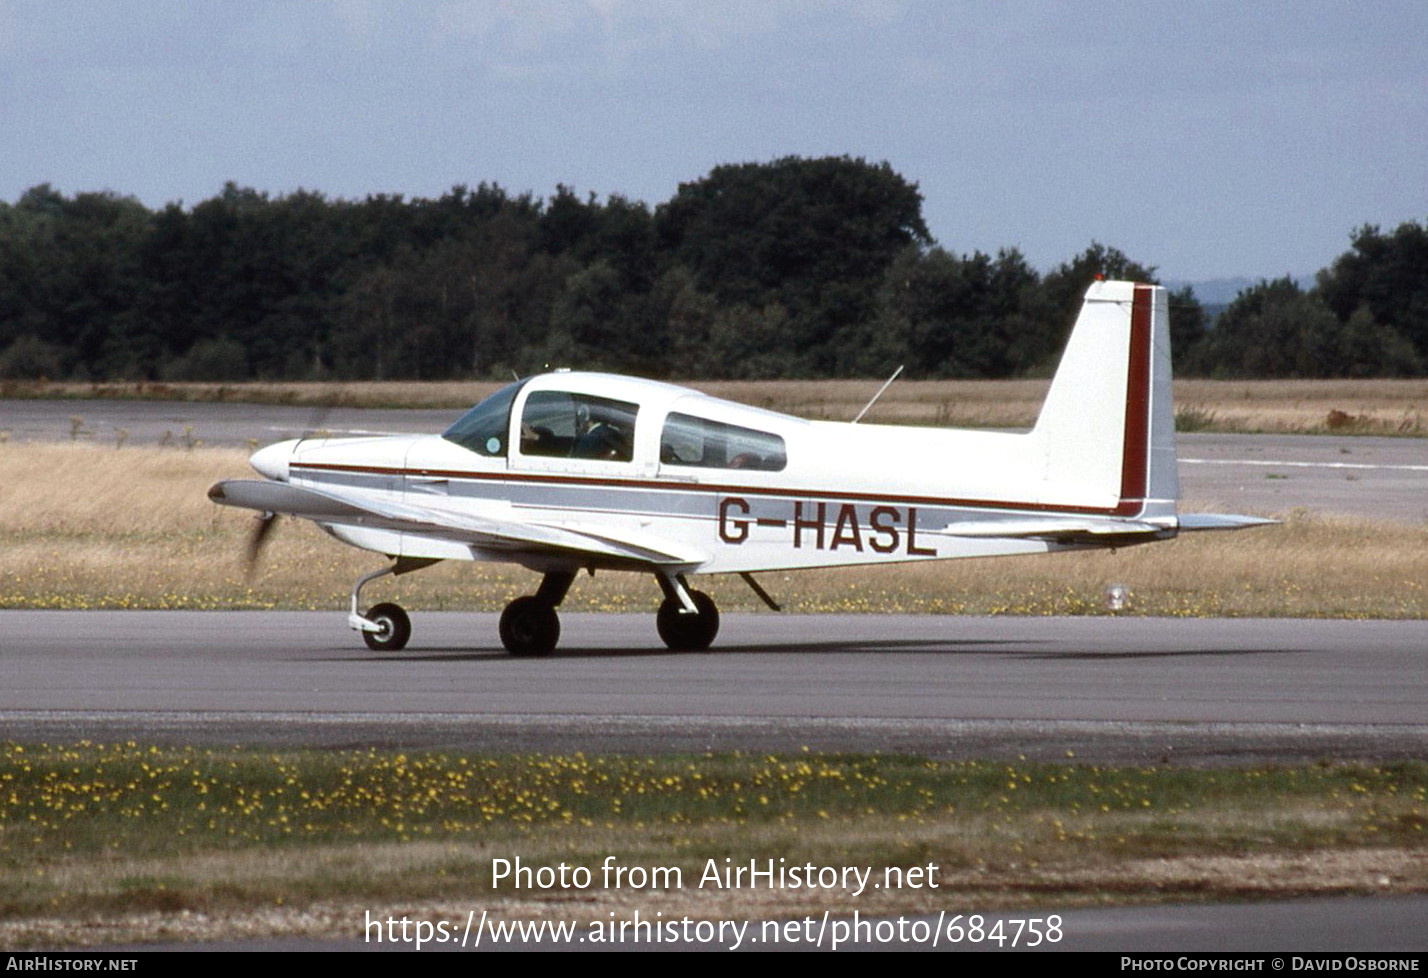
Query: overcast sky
point(1206, 138)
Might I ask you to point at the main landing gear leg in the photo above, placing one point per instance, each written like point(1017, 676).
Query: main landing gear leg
point(687, 620)
point(385, 627)
point(529, 625)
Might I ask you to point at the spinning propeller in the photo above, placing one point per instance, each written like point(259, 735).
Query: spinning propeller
point(258, 539)
point(266, 522)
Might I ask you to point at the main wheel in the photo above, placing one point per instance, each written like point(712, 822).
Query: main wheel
point(529, 627)
point(684, 632)
point(394, 628)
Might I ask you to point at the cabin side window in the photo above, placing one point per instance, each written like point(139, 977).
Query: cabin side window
point(559, 424)
point(687, 440)
point(483, 429)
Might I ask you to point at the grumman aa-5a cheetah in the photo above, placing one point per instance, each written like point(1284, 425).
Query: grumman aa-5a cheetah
point(565, 472)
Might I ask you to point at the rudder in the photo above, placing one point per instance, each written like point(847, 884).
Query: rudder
point(1107, 428)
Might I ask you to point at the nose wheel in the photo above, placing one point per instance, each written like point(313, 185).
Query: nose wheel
point(385, 627)
point(394, 628)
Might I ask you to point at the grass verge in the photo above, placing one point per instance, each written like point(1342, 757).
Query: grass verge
point(119, 842)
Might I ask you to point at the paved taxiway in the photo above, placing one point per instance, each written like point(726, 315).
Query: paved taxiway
point(1104, 689)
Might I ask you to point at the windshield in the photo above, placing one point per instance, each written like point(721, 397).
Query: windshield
point(483, 429)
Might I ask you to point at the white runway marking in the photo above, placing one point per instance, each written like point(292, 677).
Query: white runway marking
point(1302, 465)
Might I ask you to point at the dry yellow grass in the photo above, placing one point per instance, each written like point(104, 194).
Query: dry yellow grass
point(1358, 406)
point(85, 526)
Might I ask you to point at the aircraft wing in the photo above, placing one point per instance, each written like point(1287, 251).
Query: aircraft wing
point(490, 533)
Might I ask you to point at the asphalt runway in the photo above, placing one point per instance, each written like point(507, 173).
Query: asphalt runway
point(1383, 932)
point(1129, 690)
point(171, 422)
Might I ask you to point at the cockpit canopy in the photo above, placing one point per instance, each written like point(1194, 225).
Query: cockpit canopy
point(564, 418)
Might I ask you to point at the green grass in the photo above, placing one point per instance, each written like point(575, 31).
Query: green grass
point(113, 831)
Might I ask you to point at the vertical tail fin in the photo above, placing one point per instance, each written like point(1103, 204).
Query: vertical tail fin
point(1107, 429)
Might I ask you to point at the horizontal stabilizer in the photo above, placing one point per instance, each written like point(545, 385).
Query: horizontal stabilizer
point(1073, 530)
point(1055, 529)
point(1220, 521)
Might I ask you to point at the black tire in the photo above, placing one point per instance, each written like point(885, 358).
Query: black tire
point(396, 628)
point(529, 627)
point(684, 632)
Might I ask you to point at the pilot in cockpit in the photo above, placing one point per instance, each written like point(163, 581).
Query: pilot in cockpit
point(599, 434)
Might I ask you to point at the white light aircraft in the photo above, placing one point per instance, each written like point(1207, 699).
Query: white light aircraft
point(566, 471)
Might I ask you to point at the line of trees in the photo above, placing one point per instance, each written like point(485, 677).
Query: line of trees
point(792, 268)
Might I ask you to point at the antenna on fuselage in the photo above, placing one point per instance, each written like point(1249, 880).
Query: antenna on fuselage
point(886, 385)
